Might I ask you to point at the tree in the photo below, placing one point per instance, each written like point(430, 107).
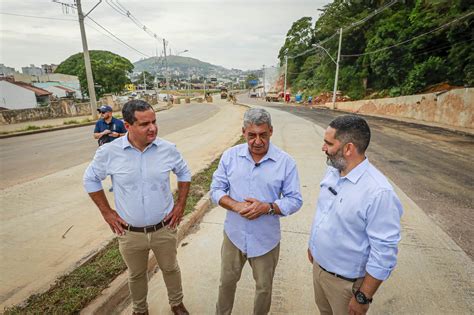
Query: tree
point(110, 71)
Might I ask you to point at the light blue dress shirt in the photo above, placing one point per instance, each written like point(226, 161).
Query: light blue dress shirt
point(141, 180)
point(275, 179)
point(358, 229)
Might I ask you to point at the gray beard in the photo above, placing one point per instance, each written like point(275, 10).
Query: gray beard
point(338, 162)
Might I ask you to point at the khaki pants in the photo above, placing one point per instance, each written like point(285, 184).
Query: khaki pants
point(134, 247)
point(332, 294)
point(263, 269)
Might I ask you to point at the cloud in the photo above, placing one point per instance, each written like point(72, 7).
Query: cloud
point(240, 34)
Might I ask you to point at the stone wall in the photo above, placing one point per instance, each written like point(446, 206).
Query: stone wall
point(452, 108)
point(60, 108)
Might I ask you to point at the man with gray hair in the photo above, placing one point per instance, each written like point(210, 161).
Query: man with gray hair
point(257, 183)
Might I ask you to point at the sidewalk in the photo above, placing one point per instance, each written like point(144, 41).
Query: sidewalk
point(433, 276)
point(46, 125)
point(35, 215)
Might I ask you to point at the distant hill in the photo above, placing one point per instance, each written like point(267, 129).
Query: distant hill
point(184, 66)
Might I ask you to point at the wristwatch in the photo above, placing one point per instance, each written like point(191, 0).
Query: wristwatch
point(271, 211)
point(361, 298)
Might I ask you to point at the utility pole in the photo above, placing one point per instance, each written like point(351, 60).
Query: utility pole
point(337, 70)
point(166, 74)
point(144, 81)
point(286, 73)
point(263, 81)
point(87, 59)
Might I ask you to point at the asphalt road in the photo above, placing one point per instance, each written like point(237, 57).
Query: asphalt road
point(29, 157)
point(433, 166)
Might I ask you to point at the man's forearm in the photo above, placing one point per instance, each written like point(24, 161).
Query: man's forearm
point(370, 285)
point(101, 201)
point(227, 203)
point(183, 190)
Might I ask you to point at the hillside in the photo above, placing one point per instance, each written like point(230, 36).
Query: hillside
point(184, 66)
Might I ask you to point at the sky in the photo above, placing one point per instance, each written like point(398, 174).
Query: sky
point(239, 34)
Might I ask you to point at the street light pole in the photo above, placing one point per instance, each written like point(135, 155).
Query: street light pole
point(166, 74)
point(264, 81)
point(337, 66)
point(337, 70)
point(286, 73)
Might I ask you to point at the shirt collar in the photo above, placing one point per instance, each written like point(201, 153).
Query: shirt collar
point(127, 144)
point(357, 171)
point(272, 153)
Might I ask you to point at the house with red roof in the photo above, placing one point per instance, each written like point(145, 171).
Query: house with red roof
point(20, 95)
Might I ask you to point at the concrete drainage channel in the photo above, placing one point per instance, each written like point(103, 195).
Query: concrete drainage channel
point(116, 297)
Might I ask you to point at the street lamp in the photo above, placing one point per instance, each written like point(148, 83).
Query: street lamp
point(337, 66)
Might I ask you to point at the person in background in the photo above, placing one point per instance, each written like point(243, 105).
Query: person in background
point(108, 128)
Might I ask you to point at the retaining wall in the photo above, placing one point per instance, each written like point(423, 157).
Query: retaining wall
point(452, 108)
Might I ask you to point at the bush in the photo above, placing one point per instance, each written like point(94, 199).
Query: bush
point(423, 74)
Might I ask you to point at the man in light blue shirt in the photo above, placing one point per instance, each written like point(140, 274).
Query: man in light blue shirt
point(146, 216)
point(356, 230)
point(257, 183)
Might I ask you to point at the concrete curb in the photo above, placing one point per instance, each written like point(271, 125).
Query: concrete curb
point(116, 297)
point(32, 132)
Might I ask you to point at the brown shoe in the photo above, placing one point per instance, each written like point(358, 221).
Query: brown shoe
point(179, 309)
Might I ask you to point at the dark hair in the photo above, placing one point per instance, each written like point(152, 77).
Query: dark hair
point(351, 128)
point(129, 109)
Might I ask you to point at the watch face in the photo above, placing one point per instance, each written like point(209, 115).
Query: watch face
point(360, 298)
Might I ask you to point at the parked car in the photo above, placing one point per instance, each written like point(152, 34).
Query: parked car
point(253, 94)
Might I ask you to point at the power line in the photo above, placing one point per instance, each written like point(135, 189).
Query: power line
point(354, 24)
point(113, 35)
point(38, 17)
point(411, 39)
point(119, 8)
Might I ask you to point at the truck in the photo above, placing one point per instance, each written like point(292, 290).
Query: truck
point(272, 97)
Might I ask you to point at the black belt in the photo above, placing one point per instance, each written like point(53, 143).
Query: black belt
point(339, 276)
point(147, 229)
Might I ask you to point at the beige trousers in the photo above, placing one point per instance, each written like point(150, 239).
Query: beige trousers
point(134, 247)
point(263, 269)
point(332, 294)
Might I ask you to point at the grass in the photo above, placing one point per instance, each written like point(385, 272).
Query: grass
point(31, 127)
point(74, 291)
point(70, 122)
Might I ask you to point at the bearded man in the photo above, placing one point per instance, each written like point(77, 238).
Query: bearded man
point(355, 234)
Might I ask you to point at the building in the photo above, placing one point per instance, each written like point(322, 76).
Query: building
point(20, 95)
point(58, 89)
point(48, 68)
point(4, 70)
point(32, 70)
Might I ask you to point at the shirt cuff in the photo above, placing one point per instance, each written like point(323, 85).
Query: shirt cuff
point(91, 187)
point(282, 208)
point(184, 178)
point(217, 195)
point(378, 272)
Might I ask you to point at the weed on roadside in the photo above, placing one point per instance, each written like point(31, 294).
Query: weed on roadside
point(70, 122)
point(31, 127)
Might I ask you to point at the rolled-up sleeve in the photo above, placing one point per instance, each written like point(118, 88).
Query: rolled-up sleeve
point(220, 182)
point(180, 168)
point(96, 172)
point(291, 199)
point(383, 230)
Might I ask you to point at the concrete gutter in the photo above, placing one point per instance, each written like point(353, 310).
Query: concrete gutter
point(42, 130)
point(117, 295)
